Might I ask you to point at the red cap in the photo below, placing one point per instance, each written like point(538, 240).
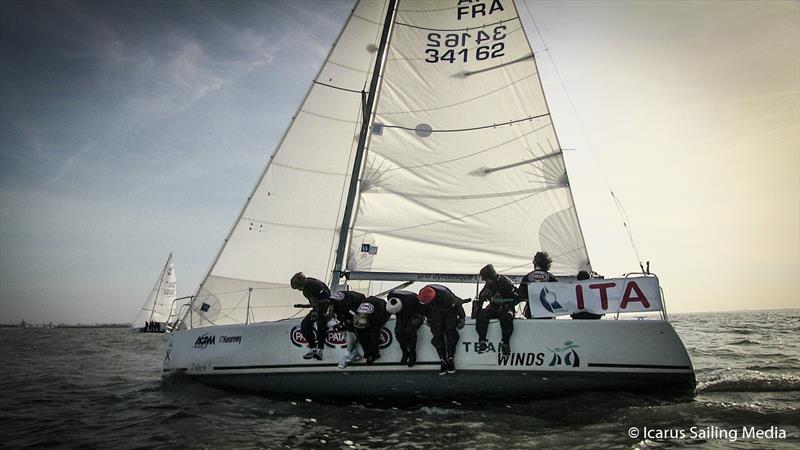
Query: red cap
point(427, 294)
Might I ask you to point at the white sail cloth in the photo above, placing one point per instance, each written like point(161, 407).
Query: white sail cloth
point(462, 168)
point(291, 220)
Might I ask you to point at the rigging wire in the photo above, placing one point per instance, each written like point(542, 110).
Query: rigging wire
point(617, 203)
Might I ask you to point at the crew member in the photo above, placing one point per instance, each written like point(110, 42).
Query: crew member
point(409, 316)
point(502, 296)
point(584, 315)
point(371, 316)
point(445, 316)
point(318, 296)
point(540, 274)
point(343, 307)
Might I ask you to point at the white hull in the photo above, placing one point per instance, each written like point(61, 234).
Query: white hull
point(549, 357)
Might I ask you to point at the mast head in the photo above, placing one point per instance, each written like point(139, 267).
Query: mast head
point(298, 281)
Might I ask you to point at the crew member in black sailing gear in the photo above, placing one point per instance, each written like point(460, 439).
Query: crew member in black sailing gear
point(409, 316)
point(585, 315)
point(540, 274)
point(343, 306)
point(318, 296)
point(502, 296)
point(371, 316)
point(445, 316)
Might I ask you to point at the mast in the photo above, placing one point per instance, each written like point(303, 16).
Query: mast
point(366, 118)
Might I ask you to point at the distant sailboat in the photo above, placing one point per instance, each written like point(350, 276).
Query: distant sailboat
point(423, 150)
point(154, 315)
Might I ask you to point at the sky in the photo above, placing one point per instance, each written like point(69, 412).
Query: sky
point(129, 130)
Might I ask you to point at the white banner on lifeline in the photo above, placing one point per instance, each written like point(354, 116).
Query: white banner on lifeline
point(601, 296)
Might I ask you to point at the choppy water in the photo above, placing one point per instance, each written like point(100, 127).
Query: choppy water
point(100, 388)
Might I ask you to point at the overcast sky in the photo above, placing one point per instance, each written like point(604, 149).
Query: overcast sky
point(130, 130)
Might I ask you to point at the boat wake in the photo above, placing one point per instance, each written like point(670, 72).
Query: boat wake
point(751, 382)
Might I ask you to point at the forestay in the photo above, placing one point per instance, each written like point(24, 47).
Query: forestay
point(464, 167)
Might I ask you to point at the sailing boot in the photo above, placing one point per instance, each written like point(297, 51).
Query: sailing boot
point(443, 368)
point(412, 358)
point(483, 347)
point(404, 358)
point(451, 365)
point(506, 349)
point(317, 354)
point(311, 353)
point(354, 356)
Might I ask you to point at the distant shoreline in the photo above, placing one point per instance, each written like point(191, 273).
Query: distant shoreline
point(101, 325)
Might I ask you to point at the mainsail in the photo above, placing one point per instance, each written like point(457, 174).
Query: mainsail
point(462, 166)
point(159, 301)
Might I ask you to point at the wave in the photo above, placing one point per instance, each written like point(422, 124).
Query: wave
point(745, 342)
point(752, 383)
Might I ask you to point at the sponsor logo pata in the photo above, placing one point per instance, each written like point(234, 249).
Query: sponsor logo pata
point(335, 339)
point(204, 341)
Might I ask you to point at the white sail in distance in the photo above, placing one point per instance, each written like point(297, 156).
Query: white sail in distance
point(159, 301)
point(462, 166)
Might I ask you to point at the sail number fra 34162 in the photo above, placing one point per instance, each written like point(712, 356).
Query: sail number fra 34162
point(455, 47)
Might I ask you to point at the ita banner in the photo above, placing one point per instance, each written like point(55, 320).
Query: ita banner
point(595, 296)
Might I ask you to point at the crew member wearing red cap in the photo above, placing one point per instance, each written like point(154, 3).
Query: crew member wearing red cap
point(445, 316)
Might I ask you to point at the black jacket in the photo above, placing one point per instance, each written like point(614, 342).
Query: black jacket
point(502, 288)
point(411, 305)
point(445, 301)
point(317, 294)
point(344, 305)
point(537, 276)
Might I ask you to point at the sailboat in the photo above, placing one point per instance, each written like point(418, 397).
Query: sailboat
point(155, 313)
point(423, 150)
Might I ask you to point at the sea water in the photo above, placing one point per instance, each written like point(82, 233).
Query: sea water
point(101, 388)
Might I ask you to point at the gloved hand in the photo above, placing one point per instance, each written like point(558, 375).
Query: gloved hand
point(460, 323)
